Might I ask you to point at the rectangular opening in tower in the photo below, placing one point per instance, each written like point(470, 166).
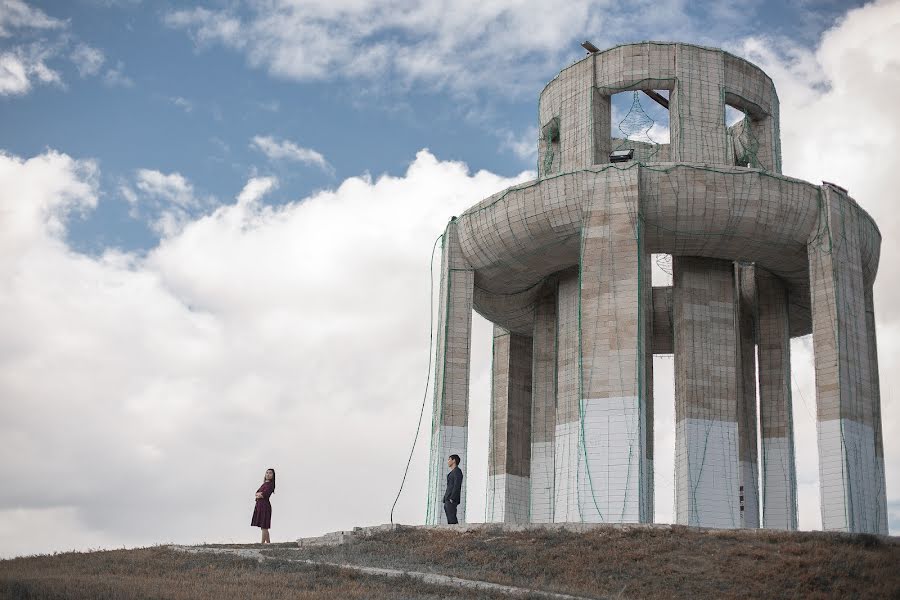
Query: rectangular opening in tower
point(661, 265)
point(640, 121)
point(742, 143)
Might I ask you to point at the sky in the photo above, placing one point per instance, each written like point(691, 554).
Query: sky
point(215, 228)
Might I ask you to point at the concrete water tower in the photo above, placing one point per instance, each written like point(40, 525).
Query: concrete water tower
point(561, 266)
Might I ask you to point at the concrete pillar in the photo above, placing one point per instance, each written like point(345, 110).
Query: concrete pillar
point(881, 516)
point(707, 476)
point(615, 477)
point(509, 452)
point(779, 478)
point(746, 410)
point(851, 496)
point(697, 107)
point(565, 113)
point(449, 430)
point(750, 90)
point(601, 122)
point(663, 336)
point(567, 437)
point(543, 406)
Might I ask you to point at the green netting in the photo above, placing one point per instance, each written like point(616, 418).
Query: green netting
point(636, 126)
point(698, 202)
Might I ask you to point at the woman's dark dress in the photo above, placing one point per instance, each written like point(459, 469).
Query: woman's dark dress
point(262, 514)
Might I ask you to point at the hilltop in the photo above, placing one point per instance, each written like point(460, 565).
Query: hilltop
point(535, 562)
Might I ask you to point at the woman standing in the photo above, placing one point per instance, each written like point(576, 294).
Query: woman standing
point(262, 514)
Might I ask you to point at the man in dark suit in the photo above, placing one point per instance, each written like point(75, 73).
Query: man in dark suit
point(452, 497)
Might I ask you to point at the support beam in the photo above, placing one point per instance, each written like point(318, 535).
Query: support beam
point(881, 516)
point(543, 405)
point(509, 452)
point(601, 110)
point(449, 432)
point(746, 410)
point(846, 403)
point(779, 476)
point(707, 476)
point(615, 477)
point(567, 437)
point(658, 98)
point(697, 112)
point(663, 334)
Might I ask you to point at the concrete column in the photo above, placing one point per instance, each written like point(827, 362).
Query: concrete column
point(450, 418)
point(848, 465)
point(663, 336)
point(881, 516)
point(567, 437)
point(761, 107)
point(779, 478)
point(543, 406)
point(707, 475)
point(697, 107)
point(601, 117)
point(509, 452)
point(615, 477)
point(746, 410)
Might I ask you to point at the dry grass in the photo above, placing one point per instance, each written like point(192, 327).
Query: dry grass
point(642, 562)
point(163, 573)
point(607, 562)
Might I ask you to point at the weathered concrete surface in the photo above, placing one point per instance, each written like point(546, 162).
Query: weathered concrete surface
point(564, 261)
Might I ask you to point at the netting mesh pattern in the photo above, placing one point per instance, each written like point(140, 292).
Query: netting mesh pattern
point(847, 400)
point(561, 265)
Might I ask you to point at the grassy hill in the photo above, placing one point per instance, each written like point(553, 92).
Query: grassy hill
point(598, 562)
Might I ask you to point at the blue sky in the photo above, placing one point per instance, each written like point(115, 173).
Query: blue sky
point(189, 98)
point(215, 223)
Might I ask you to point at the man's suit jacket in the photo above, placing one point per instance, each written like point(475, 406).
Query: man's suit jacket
point(454, 486)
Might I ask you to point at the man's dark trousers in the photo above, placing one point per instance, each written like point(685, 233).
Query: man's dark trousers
point(450, 509)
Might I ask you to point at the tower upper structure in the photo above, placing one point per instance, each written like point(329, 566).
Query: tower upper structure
point(576, 117)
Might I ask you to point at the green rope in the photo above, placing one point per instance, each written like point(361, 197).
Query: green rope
point(428, 371)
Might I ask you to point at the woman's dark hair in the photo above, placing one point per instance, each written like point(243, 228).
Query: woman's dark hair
point(273, 479)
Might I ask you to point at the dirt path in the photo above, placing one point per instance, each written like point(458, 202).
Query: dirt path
point(431, 578)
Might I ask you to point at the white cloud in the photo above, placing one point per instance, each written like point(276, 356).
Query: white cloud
point(24, 66)
point(88, 60)
point(16, 14)
point(182, 103)
point(291, 336)
point(208, 26)
point(525, 145)
point(38, 196)
point(13, 75)
point(116, 77)
point(509, 45)
point(166, 202)
point(256, 188)
point(172, 188)
point(288, 150)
